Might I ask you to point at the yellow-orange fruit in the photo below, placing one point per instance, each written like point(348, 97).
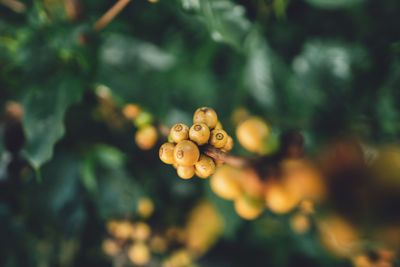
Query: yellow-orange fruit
point(179, 132)
point(251, 183)
point(239, 115)
point(248, 209)
point(338, 236)
point(307, 207)
point(120, 229)
point(252, 134)
point(139, 254)
point(229, 144)
point(158, 244)
point(199, 133)
point(146, 137)
point(204, 167)
point(185, 172)
point(110, 247)
point(218, 126)
point(279, 199)
point(218, 138)
point(207, 116)
point(186, 153)
point(166, 153)
point(300, 223)
point(226, 182)
point(131, 111)
point(141, 231)
point(145, 207)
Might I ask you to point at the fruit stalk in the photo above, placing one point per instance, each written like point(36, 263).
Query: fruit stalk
point(218, 154)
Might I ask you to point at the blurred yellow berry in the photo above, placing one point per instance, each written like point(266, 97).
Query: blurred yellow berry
point(110, 247)
point(247, 208)
point(300, 223)
point(158, 244)
point(179, 132)
point(141, 231)
point(145, 207)
point(207, 116)
point(252, 134)
point(226, 182)
point(146, 137)
point(120, 229)
point(139, 254)
point(279, 199)
point(131, 111)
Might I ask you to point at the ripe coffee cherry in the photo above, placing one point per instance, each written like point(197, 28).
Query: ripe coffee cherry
point(218, 126)
point(218, 138)
point(204, 167)
point(207, 116)
point(146, 137)
point(226, 182)
point(166, 153)
point(186, 153)
point(139, 253)
point(247, 208)
point(279, 199)
point(199, 133)
point(179, 132)
point(131, 111)
point(185, 172)
point(110, 247)
point(252, 133)
point(300, 223)
point(145, 207)
point(229, 144)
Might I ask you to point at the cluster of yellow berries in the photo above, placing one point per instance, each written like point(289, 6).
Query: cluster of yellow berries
point(183, 150)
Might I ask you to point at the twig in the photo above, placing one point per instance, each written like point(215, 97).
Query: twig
point(15, 5)
point(110, 14)
point(217, 154)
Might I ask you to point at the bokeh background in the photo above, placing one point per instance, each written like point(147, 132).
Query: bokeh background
point(69, 164)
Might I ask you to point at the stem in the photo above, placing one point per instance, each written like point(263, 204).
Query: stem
point(110, 14)
point(15, 5)
point(217, 154)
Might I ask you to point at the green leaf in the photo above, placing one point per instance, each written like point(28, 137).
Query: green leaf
point(334, 4)
point(225, 20)
point(44, 108)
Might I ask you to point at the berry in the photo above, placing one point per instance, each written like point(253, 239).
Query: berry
point(199, 133)
point(207, 116)
point(185, 172)
point(204, 167)
point(218, 126)
point(229, 144)
point(179, 132)
point(279, 199)
point(247, 208)
point(146, 137)
point(139, 254)
point(252, 133)
point(141, 231)
point(186, 153)
point(218, 138)
point(131, 111)
point(300, 223)
point(110, 247)
point(226, 182)
point(145, 207)
point(166, 153)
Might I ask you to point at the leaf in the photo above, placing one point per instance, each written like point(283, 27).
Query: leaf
point(334, 4)
point(44, 108)
point(225, 20)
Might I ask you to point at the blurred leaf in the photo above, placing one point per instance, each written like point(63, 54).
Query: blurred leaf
point(334, 4)
point(45, 106)
point(225, 19)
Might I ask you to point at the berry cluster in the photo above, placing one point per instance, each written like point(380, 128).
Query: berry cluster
point(183, 150)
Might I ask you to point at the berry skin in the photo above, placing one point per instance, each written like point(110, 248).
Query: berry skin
point(218, 126)
point(131, 111)
point(207, 116)
point(279, 199)
point(226, 182)
point(185, 172)
point(186, 153)
point(300, 223)
point(218, 138)
point(199, 133)
point(229, 144)
point(139, 254)
point(146, 137)
point(179, 132)
point(204, 167)
point(252, 133)
point(145, 207)
point(110, 247)
point(166, 153)
point(248, 209)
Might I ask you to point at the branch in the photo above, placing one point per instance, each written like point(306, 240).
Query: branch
point(217, 154)
point(110, 14)
point(15, 5)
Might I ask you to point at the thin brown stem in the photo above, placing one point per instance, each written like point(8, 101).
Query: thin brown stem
point(110, 14)
point(217, 154)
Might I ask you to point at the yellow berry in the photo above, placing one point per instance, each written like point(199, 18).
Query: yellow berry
point(185, 172)
point(120, 229)
point(248, 209)
point(218, 138)
point(110, 247)
point(158, 244)
point(252, 133)
point(145, 207)
point(179, 132)
point(199, 133)
point(207, 116)
point(131, 111)
point(218, 126)
point(226, 182)
point(139, 254)
point(204, 167)
point(146, 137)
point(186, 153)
point(300, 223)
point(166, 153)
point(229, 144)
point(279, 199)
point(141, 231)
